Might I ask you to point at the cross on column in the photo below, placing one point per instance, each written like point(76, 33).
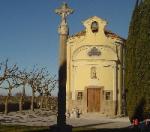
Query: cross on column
point(64, 11)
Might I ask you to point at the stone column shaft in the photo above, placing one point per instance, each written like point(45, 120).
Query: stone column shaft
point(61, 119)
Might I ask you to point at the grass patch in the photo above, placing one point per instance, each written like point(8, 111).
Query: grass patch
point(18, 128)
point(79, 129)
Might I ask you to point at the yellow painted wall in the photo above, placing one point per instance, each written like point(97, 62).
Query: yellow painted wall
point(79, 62)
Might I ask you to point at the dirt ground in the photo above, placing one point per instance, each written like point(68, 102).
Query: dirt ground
point(48, 118)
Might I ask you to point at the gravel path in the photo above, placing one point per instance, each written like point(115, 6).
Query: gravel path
point(47, 118)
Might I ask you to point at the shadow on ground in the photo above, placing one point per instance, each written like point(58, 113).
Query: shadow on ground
point(13, 128)
point(90, 128)
point(108, 130)
point(99, 130)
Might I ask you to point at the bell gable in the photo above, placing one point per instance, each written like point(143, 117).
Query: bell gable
point(95, 25)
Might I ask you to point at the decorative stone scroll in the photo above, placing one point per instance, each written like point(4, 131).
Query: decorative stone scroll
point(94, 52)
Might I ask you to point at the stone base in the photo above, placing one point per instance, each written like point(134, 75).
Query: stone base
point(65, 128)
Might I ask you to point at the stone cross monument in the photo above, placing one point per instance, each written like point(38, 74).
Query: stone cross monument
point(63, 31)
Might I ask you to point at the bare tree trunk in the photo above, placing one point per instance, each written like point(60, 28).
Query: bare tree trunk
point(47, 98)
point(20, 103)
point(6, 101)
point(32, 100)
point(41, 101)
point(6, 105)
point(21, 99)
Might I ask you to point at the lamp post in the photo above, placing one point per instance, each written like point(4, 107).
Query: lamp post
point(63, 31)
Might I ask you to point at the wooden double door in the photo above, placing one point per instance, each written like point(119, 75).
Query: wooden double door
point(93, 99)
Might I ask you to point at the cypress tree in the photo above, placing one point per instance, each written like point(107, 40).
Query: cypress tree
point(138, 62)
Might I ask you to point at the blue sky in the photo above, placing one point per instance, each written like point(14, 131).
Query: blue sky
point(28, 28)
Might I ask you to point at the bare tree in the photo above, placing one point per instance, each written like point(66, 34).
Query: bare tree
point(44, 88)
point(41, 94)
point(48, 89)
point(9, 85)
point(7, 71)
point(23, 79)
point(36, 77)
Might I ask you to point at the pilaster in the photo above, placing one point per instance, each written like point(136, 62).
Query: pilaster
point(115, 88)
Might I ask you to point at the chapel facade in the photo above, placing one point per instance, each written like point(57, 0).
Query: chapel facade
point(95, 69)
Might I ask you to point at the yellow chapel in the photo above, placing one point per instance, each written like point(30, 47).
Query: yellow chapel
point(95, 69)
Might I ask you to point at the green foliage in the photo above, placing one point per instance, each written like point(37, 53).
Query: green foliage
point(138, 62)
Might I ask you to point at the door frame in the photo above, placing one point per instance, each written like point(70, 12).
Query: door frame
point(86, 99)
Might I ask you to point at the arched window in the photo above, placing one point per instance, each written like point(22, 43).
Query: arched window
point(94, 27)
point(93, 73)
